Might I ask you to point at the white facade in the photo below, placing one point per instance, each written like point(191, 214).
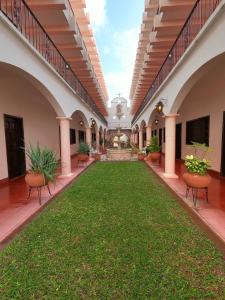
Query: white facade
point(113, 121)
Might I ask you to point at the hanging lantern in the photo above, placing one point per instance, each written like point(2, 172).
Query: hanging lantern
point(156, 121)
point(93, 123)
point(159, 107)
point(81, 123)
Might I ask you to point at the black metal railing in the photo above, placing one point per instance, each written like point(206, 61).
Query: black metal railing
point(20, 14)
point(200, 13)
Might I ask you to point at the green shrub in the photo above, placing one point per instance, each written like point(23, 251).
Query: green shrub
point(154, 145)
point(84, 148)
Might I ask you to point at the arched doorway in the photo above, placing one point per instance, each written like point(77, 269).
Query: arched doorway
point(28, 116)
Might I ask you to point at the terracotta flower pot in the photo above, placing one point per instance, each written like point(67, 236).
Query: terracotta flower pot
point(197, 181)
point(97, 156)
point(35, 179)
point(154, 156)
point(141, 156)
point(82, 157)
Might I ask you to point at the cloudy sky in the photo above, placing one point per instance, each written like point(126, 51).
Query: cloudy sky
point(116, 26)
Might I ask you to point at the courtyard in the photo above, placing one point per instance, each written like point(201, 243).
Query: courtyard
point(115, 233)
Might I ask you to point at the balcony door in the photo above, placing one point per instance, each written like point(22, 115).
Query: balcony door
point(14, 146)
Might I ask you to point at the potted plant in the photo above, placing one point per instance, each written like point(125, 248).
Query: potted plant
point(197, 167)
point(43, 166)
point(154, 149)
point(84, 151)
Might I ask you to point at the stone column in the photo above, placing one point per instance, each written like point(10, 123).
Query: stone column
point(148, 135)
point(88, 136)
point(97, 140)
point(140, 139)
point(65, 146)
point(170, 146)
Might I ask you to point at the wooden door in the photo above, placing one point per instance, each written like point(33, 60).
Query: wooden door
point(14, 146)
point(178, 140)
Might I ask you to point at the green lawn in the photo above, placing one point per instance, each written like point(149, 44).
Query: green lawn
point(116, 233)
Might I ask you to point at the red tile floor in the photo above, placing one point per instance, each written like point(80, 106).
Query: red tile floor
point(15, 209)
point(211, 213)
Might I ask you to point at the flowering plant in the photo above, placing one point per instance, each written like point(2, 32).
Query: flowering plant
point(196, 164)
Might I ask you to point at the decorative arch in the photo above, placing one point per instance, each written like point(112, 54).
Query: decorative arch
point(81, 115)
point(192, 80)
point(38, 85)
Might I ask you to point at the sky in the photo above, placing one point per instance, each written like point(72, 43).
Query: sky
point(116, 25)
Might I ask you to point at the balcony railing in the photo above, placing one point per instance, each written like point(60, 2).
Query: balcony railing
point(200, 13)
point(21, 16)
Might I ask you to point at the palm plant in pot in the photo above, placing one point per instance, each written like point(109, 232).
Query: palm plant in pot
point(197, 167)
point(43, 166)
point(154, 149)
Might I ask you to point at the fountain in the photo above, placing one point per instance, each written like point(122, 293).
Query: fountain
point(119, 153)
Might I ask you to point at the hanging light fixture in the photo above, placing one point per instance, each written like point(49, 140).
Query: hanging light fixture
point(159, 107)
point(93, 123)
point(81, 123)
point(156, 121)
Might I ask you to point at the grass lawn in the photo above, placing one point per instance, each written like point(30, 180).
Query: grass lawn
point(116, 233)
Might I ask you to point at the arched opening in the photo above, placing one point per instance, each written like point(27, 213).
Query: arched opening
point(201, 108)
point(157, 125)
point(94, 134)
point(28, 116)
point(144, 135)
point(78, 126)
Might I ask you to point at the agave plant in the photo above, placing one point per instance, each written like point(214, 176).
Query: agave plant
point(42, 161)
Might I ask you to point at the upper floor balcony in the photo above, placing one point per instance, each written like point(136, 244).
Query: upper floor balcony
point(197, 18)
point(26, 22)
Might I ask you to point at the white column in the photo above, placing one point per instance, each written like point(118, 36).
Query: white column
point(88, 136)
point(140, 139)
point(65, 146)
point(148, 135)
point(170, 146)
point(97, 140)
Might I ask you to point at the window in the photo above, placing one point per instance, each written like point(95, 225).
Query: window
point(198, 131)
point(72, 136)
point(164, 135)
point(81, 136)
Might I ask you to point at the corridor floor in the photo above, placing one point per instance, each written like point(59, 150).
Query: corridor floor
point(116, 233)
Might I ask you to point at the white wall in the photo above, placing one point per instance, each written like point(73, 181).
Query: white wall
point(207, 97)
point(19, 98)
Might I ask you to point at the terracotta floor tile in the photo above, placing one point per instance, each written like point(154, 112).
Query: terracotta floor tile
point(15, 209)
point(212, 213)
